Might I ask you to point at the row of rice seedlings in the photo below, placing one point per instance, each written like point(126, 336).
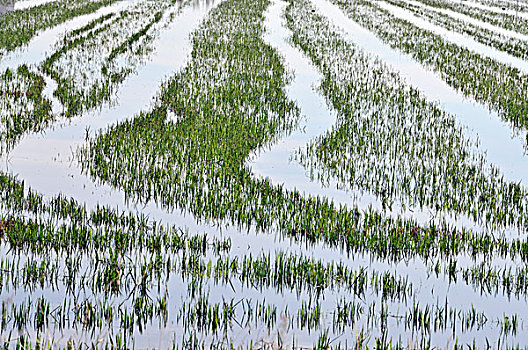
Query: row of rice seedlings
point(90, 316)
point(284, 271)
point(288, 272)
point(301, 274)
point(36, 236)
point(501, 87)
point(90, 63)
point(511, 45)
point(383, 126)
point(493, 280)
point(205, 318)
point(218, 318)
point(18, 27)
point(23, 108)
point(17, 200)
point(498, 18)
point(141, 308)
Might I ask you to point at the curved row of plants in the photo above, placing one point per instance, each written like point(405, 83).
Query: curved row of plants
point(24, 107)
point(501, 87)
point(383, 126)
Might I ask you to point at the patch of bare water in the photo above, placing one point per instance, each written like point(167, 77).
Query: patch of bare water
point(25, 4)
point(5, 8)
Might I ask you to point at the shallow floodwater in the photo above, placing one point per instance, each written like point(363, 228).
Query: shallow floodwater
point(47, 163)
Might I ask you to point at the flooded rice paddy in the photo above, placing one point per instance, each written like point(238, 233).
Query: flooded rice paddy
point(263, 174)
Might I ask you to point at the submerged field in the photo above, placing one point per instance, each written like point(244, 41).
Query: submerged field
point(264, 174)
